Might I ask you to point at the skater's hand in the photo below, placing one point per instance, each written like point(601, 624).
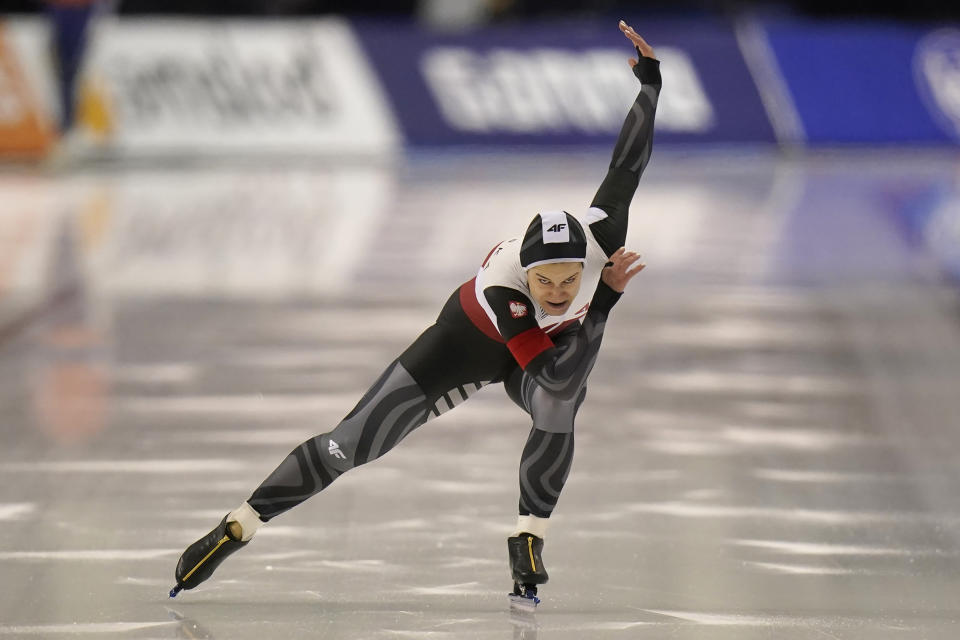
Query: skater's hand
point(620, 272)
point(641, 45)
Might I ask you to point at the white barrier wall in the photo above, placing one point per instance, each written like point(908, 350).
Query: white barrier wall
point(177, 87)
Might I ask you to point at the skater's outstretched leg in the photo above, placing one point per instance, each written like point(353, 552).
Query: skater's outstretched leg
point(392, 408)
point(436, 373)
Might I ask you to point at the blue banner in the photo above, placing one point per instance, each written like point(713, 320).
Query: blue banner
point(561, 84)
point(867, 84)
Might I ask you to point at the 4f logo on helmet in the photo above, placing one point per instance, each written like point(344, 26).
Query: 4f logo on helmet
point(517, 309)
point(555, 227)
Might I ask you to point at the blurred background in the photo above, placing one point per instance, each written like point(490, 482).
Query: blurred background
point(220, 220)
point(486, 10)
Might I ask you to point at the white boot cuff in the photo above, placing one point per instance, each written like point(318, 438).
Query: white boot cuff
point(248, 518)
point(532, 524)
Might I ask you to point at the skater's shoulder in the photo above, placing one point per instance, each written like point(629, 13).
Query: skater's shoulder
point(502, 267)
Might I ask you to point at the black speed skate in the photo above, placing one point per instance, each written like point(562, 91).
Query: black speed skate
point(202, 557)
point(527, 568)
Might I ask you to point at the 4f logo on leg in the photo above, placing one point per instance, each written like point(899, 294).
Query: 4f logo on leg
point(334, 450)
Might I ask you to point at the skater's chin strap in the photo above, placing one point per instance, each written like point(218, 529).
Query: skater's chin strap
point(248, 519)
point(532, 524)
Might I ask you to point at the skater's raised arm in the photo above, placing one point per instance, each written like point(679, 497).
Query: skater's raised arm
point(632, 150)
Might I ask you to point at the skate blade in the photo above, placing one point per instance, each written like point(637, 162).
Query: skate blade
point(523, 603)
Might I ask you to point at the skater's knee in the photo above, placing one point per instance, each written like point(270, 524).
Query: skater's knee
point(553, 414)
point(337, 449)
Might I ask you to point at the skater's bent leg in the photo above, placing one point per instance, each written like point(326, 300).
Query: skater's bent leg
point(393, 407)
point(548, 453)
point(544, 467)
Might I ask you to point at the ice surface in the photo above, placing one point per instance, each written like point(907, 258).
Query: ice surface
point(768, 447)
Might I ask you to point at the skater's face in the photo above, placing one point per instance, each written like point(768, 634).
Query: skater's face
point(554, 286)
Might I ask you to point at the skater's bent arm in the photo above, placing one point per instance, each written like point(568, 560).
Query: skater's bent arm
point(563, 374)
point(560, 370)
point(631, 154)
